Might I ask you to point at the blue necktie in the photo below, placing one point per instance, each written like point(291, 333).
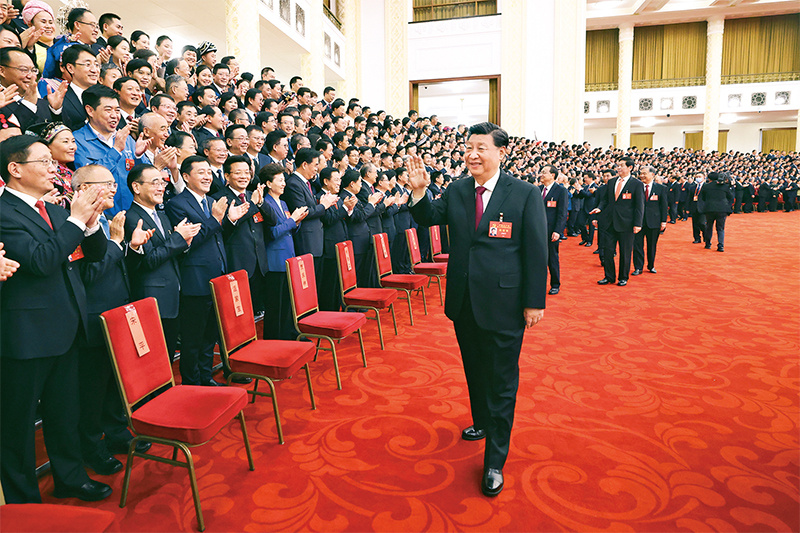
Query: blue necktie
point(205, 207)
point(158, 223)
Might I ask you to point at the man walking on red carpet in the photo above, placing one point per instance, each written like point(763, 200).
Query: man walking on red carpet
point(496, 281)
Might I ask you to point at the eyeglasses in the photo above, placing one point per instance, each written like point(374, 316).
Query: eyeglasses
point(24, 70)
point(155, 183)
point(89, 64)
point(107, 184)
point(46, 162)
point(92, 25)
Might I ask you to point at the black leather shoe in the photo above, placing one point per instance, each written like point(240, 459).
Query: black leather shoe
point(708, 246)
point(636, 272)
point(652, 270)
point(588, 244)
point(122, 447)
point(554, 290)
point(596, 251)
point(696, 241)
point(720, 248)
point(105, 466)
point(622, 282)
point(471, 433)
point(604, 281)
point(492, 482)
point(212, 383)
point(242, 380)
point(91, 491)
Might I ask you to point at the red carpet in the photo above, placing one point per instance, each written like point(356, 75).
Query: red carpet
point(667, 405)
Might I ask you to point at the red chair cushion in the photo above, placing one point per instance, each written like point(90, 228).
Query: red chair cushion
point(273, 359)
point(404, 281)
point(189, 413)
point(378, 298)
point(441, 258)
point(431, 268)
point(332, 323)
point(41, 517)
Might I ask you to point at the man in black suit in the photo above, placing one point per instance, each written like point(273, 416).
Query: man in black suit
point(154, 269)
point(309, 237)
point(673, 199)
point(357, 228)
point(374, 207)
point(107, 287)
point(654, 222)
point(82, 65)
point(401, 264)
point(16, 68)
point(335, 231)
point(623, 203)
point(601, 221)
point(698, 218)
point(496, 281)
point(205, 260)
point(245, 247)
point(555, 199)
point(36, 364)
point(587, 193)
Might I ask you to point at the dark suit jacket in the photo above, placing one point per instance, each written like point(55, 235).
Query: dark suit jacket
point(334, 228)
point(73, 114)
point(556, 214)
point(373, 212)
point(26, 117)
point(357, 227)
point(627, 212)
point(244, 241)
point(43, 305)
point(308, 239)
point(693, 196)
point(280, 245)
point(501, 276)
point(716, 198)
point(206, 257)
point(656, 206)
point(155, 271)
point(107, 287)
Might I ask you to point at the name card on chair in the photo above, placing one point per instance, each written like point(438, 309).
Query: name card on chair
point(237, 297)
point(303, 278)
point(383, 247)
point(413, 240)
point(347, 259)
point(135, 327)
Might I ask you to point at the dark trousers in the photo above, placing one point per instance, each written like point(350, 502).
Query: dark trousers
point(719, 219)
point(172, 328)
point(682, 211)
point(625, 240)
point(587, 232)
point(257, 290)
point(330, 298)
point(762, 204)
point(602, 243)
point(199, 334)
point(491, 366)
point(789, 202)
point(698, 226)
point(673, 210)
point(102, 412)
point(773, 204)
point(737, 201)
point(278, 321)
point(553, 264)
point(401, 264)
point(748, 204)
point(23, 383)
point(366, 271)
point(638, 248)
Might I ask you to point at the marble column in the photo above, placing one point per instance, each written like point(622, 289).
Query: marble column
point(312, 67)
point(714, 32)
point(512, 77)
point(243, 34)
point(624, 90)
point(569, 55)
point(396, 52)
point(350, 87)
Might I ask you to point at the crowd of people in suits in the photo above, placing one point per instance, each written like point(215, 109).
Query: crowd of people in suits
point(129, 173)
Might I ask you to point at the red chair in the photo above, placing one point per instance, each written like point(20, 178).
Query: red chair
point(181, 416)
point(436, 246)
point(313, 323)
point(246, 355)
point(401, 282)
point(432, 270)
point(356, 298)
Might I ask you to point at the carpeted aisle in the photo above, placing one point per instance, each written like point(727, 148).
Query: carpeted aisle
point(667, 405)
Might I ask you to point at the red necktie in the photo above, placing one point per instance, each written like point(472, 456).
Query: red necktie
point(43, 211)
point(544, 192)
point(479, 204)
point(310, 189)
point(619, 189)
point(647, 191)
point(241, 197)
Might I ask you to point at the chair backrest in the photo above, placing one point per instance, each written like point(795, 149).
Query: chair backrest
point(346, 261)
point(383, 258)
point(233, 306)
point(302, 285)
point(436, 240)
point(413, 246)
point(138, 351)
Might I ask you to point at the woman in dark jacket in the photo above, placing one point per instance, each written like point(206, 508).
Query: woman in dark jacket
point(716, 202)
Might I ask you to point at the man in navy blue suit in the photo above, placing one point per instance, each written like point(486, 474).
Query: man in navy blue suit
point(555, 198)
point(205, 260)
point(39, 360)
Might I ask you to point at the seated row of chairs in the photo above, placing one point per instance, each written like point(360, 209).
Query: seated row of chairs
point(185, 416)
